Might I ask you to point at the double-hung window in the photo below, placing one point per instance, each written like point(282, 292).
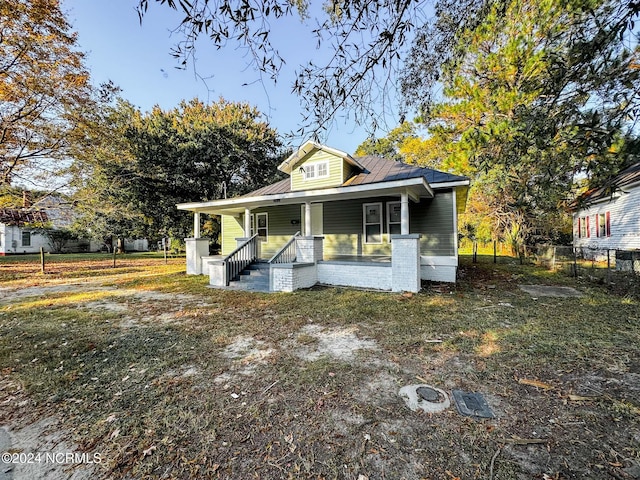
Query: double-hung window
point(372, 213)
point(394, 219)
point(262, 221)
point(583, 227)
point(603, 225)
point(26, 239)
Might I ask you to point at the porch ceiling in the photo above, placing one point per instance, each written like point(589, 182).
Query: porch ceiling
point(415, 187)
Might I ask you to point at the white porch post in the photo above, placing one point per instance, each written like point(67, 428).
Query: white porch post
point(307, 219)
point(404, 213)
point(247, 222)
point(196, 224)
point(196, 249)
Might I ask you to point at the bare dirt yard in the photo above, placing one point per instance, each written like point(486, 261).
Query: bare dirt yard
point(143, 372)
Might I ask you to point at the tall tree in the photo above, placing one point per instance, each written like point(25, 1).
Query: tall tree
point(43, 85)
point(142, 164)
point(391, 146)
point(537, 94)
point(369, 40)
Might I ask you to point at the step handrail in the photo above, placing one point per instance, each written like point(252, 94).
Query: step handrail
point(287, 254)
point(240, 258)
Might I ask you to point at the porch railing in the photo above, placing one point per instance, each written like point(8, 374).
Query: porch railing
point(241, 257)
point(287, 254)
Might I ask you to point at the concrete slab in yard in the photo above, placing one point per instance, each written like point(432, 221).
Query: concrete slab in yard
point(550, 291)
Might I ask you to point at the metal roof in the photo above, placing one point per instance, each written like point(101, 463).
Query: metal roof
point(16, 217)
point(626, 177)
point(376, 170)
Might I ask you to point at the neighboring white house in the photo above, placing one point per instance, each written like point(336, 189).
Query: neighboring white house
point(365, 222)
point(20, 230)
point(15, 237)
point(608, 218)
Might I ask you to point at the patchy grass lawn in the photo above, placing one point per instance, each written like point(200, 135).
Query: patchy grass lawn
point(166, 378)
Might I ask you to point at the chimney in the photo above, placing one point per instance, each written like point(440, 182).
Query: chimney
point(26, 199)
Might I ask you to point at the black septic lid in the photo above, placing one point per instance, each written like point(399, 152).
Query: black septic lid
point(472, 404)
point(429, 394)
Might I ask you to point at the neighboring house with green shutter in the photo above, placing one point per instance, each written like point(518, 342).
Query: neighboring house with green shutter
point(337, 220)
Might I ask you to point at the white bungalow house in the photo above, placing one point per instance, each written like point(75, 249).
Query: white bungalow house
point(15, 235)
point(608, 218)
point(21, 230)
point(336, 220)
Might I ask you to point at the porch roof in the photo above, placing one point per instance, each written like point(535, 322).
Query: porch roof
point(380, 177)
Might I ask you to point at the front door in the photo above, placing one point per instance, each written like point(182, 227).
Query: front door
point(316, 220)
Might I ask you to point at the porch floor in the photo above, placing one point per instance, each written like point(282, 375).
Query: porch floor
point(358, 258)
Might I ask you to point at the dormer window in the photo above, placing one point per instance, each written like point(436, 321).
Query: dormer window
point(312, 171)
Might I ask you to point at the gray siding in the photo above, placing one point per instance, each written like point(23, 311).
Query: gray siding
point(433, 218)
point(279, 225)
point(343, 227)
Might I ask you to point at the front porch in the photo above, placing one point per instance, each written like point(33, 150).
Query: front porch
point(300, 263)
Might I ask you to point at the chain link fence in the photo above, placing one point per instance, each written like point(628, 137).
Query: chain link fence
point(587, 261)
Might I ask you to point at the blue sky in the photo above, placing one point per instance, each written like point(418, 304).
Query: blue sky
point(137, 59)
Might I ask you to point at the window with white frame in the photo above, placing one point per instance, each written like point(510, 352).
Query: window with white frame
point(262, 222)
point(322, 169)
point(603, 226)
point(394, 219)
point(583, 227)
point(312, 171)
point(372, 213)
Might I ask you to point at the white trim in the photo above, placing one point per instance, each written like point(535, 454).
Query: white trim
point(288, 165)
point(455, 222)
point(365, 224)
point(459, 183)
point(618, 193)
point(355, 191)
point(434, 260)
point(393, 202)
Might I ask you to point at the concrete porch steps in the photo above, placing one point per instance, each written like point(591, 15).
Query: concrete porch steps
point(254, 278)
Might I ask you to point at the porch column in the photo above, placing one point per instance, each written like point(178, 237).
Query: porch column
point(196, 224)
point(196, 249)
point(247, 222)
point(307, 219)
point(404, 213)
point(405, 263)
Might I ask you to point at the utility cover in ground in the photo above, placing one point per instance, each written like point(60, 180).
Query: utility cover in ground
point(472, 404)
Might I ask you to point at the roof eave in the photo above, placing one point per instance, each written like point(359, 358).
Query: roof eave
point(418, 186)
point(289, 164)
point(456, 183)
point(594, 199)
